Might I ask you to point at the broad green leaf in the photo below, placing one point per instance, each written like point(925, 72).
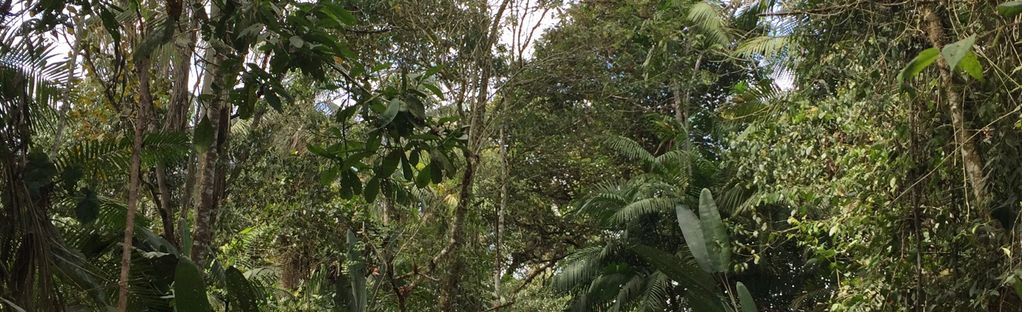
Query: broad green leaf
point(328, 176)
point(110, 23)
point(953, 53)
point(917, 64)
point(693, 233)
point(1010, 8)
point(189, 288)
point(422, 179)
point(338, 13)
point(718, 245)
point(436, 172)
point(372, 188)
point(203, 136)
point(406, 168)
point(12, 305)
point(745, 298)
point(971, 66)
point(390, 163)
point(432, 71)
point(1018, 288)
point(186, 237)
point(242, 295)
point(296, 42)
point(388, 115)
point(273, 100)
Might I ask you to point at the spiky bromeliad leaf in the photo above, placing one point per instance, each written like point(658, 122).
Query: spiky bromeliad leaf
point(718, 245)
point(701, 291)
point(745, 298)
point(642, 207)
point(357, 275)
point(189, 288)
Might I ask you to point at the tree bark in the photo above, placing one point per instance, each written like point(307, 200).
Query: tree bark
point(970, 155)
point(176, 116)
point(452, 285)
point(498, 260)
point(208, 199)
point(141, 112)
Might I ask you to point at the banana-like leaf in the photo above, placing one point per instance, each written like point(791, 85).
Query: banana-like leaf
point(718, 245)
point(240, 291)
point(189, 288)
point(692, 230)
point(745, 298)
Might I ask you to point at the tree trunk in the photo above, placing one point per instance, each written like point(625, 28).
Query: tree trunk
point(501, 208)
point(970, 155)
point(145, 102)
point(176, 116)
point(208, 167)
point(452, 286)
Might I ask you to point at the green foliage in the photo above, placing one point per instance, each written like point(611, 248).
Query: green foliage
point(357, 275)
point(1010, 8)
point(241, 292)
point(745, 298)
point(189, 288)
point(918, 64)
point(959, 55)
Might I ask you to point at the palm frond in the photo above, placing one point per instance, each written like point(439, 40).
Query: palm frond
point(163, 147)
point(654, 296)
point(629, 292)
point(629, 149)
point(707, 18)
point(582, 267)
point(766, 46)
point(643, 207)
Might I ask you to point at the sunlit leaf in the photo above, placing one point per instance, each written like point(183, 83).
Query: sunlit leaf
point(1010, 8)
point(955, 52)
point(917, 64)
